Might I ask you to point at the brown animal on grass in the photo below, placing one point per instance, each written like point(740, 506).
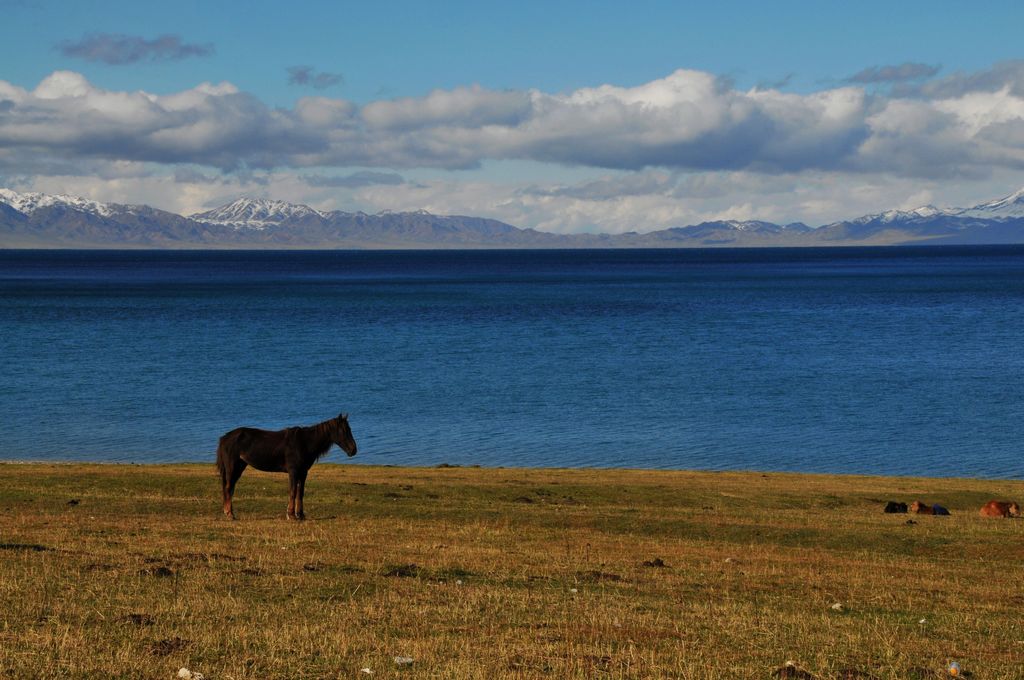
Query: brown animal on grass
point(921, 509)
point(292, 450)
point(1000, 509)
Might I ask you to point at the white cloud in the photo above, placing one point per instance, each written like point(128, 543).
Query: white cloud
point(470, 107)
point(688, 120)
point(676, 150)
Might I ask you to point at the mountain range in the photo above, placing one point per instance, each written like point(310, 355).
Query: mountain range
point(34, 220)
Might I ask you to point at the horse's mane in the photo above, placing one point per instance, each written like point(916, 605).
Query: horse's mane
point(317, 439)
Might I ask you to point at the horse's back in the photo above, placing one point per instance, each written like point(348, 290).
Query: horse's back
point(245, 435)
point(1000, 509)
point(263, 449)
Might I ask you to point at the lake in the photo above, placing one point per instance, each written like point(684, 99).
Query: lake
point(859, 360)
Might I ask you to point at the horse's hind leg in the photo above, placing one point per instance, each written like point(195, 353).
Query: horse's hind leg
point(231, 474)
point(295, 481)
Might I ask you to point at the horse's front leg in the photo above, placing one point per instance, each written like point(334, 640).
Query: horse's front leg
point(301, 492)
point(293, 488)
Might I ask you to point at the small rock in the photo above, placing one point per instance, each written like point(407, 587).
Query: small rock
point(403, 661)
point(656, 562)
point(573, 590)
point(366, 670)
point(403, 571)
point(139, 619)
point(791, 670)
point(458, 582)
point(74, 501)
point(169, 646)
point(838, 607)
point(923, 621)
point(186, 674)
point(159, 571)
point(731, 560)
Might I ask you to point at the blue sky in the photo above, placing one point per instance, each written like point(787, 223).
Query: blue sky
point(409, 48)
point(472, 150)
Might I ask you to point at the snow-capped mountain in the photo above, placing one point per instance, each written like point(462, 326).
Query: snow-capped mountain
point(1010, 207)
point(897, 215)
point(758, 226)
point(43, 220)
point(420, 212)
point(35, 220)
point(256, 213)
point(28, 203)
point(999, 221)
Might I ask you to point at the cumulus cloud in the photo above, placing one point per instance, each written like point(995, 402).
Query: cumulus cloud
point(963, 125)
point(214, 125)
point(363, 178)
point(464, 107)
point(605, 188)
point(894, 73)
point(192, 176)
point(307, 75)
point(117, 48)
point(1007, 75)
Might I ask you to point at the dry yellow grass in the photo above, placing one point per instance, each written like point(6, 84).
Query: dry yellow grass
point(492, 573)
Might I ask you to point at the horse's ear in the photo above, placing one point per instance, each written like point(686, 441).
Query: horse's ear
point(344, 416)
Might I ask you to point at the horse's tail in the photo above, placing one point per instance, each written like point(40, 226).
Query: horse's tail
point(221, 467)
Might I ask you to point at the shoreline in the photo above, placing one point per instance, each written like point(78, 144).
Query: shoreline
point(589, 469)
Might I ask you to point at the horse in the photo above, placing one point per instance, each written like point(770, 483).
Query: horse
point(921, 508)
point(1000, 509)
point(292, 450)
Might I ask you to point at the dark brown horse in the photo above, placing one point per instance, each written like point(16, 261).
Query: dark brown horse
point(292, 450)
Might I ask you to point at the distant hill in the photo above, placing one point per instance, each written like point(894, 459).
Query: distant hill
point(33, 220)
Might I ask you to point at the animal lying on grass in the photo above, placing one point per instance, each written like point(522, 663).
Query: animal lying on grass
point(1000, 509)
point(292, 450)
point(923, 509)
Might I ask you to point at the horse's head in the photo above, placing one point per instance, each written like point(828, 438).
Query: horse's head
point(1013, 510)
point(343, 435)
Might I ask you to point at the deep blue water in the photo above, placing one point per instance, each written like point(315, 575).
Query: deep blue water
point(894, 361)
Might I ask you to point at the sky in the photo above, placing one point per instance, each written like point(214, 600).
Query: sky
point(566, 117)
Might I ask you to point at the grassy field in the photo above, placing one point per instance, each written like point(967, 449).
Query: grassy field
point(112, 571)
